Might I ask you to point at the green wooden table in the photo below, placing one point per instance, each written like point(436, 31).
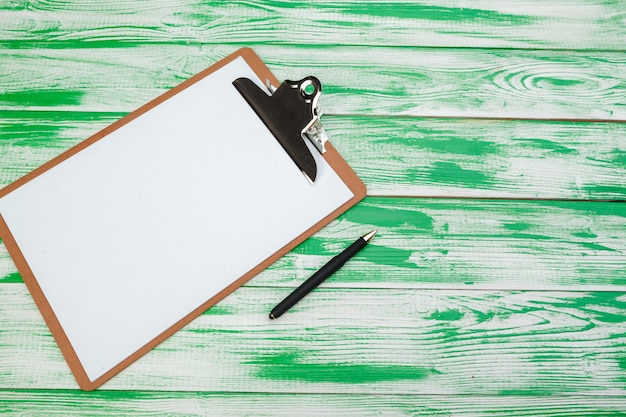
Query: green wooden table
point(492, 139)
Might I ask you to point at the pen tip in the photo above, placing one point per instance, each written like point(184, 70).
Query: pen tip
point(272, 316)
point(369, 236)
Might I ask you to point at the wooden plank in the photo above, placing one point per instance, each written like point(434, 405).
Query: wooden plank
point(572, 24)
point(484, 158)
point(75, 403)
point(464, 244)
point(359, 341)
point(473, 244)
point(402, 156)
point(357, 80)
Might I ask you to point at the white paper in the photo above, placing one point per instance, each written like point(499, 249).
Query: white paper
point(140, 228)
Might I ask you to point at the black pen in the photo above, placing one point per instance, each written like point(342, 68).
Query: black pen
point(320, 276)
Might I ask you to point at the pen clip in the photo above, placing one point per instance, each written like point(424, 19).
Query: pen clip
point(292, 114)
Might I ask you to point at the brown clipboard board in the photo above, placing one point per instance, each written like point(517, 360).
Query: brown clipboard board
point(337, 163)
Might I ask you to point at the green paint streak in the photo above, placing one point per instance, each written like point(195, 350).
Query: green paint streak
point(560, 82)
point(451, 173)
point(606, 191)
point(456, 145)
point(585, 234)
point(618, 157)
point(365, 213)
point(46, 128)
point(220, 310)
point(549, 146)
point(532, 391)
point(436, 13)
point(363, 91)
point(383, 255)
point(291, 366)
point(314, 246)
point(529, 236)
point(341, 24)
point(595, 246)
point(519, 226)
point(42, 98)
point(548, 357)
point(55, 115)
point(70, 399)
point(86, 43)
point(584, 207)
point(605, 307)
point(446, 315)
point(32, 134)
point(208, 331)
point(605, 299)
point(12, 278)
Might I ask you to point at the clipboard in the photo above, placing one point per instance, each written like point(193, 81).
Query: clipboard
point(131, 234)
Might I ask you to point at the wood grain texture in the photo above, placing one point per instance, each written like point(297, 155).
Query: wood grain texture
point(442, 243)
point(579, 24)
point(357, 80)
point(402, 156)
point(484, 158)
point(432, 243)
point(338, 341)
point(141, 403)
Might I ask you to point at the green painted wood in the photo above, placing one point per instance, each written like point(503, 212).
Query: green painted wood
point(463, 244)
point(484, 158)
point(360, 341)
point(466, 244)
point(402, 156)
point(460, 306)
point(74, 403)
point(573, 24)
point(357, 80)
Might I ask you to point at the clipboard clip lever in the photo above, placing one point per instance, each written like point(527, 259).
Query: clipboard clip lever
point(292, 114)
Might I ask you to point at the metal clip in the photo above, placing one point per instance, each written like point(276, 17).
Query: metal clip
point(291, 113)
point(316, 133)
